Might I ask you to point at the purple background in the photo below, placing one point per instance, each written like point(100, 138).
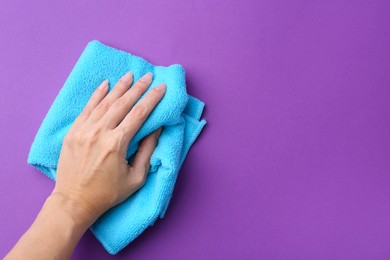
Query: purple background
point(295, 160)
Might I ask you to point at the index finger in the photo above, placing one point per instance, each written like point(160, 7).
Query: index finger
point(140, 112)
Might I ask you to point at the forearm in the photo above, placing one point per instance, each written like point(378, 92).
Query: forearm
point(55, 232)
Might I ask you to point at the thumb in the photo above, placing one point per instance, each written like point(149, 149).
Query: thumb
point(141, 163)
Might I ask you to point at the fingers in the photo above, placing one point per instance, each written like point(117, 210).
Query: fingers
point(141, 163)
point(97, 96)
point(122, 105)
point(138, 114)
point(120, 88)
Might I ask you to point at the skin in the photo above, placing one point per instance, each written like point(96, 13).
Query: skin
point(93, 174)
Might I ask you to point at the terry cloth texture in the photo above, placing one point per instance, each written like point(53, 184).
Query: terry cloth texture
point(177, 112)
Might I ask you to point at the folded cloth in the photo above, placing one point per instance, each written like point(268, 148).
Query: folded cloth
point(177, 112)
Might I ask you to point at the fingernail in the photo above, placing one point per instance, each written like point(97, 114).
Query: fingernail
point(127, 77)
point(104, 84)
point(147, 78)
point(161, 87)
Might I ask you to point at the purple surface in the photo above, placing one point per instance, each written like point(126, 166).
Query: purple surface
point(295, 160)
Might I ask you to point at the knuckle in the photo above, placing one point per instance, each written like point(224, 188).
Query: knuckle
point(140, 179)
point(139, 89)
point(154, 96)
point(103, 106)
point(94, 98)
point(120, 103)
point(119, 89)
point(77, 137)
point(121, 134)
point(139, 112)
point(122, 85)
point(81, 137)
point(68, 139)
point(155, 93)
point(72, 138)
point(91, 136)
point(112, 145)
point(142, 84)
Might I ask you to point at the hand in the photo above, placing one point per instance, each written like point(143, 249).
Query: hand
point(93, 172)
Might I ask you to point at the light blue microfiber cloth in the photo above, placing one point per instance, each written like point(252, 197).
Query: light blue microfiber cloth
point(177, 112)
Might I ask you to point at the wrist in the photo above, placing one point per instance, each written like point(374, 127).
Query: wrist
point(70, 209)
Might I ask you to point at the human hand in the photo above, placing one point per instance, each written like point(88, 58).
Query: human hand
point(93, 172)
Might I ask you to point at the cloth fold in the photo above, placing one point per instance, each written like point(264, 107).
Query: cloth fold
point(178, 112)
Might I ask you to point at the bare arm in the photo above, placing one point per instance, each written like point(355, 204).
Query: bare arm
point(93, 174)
